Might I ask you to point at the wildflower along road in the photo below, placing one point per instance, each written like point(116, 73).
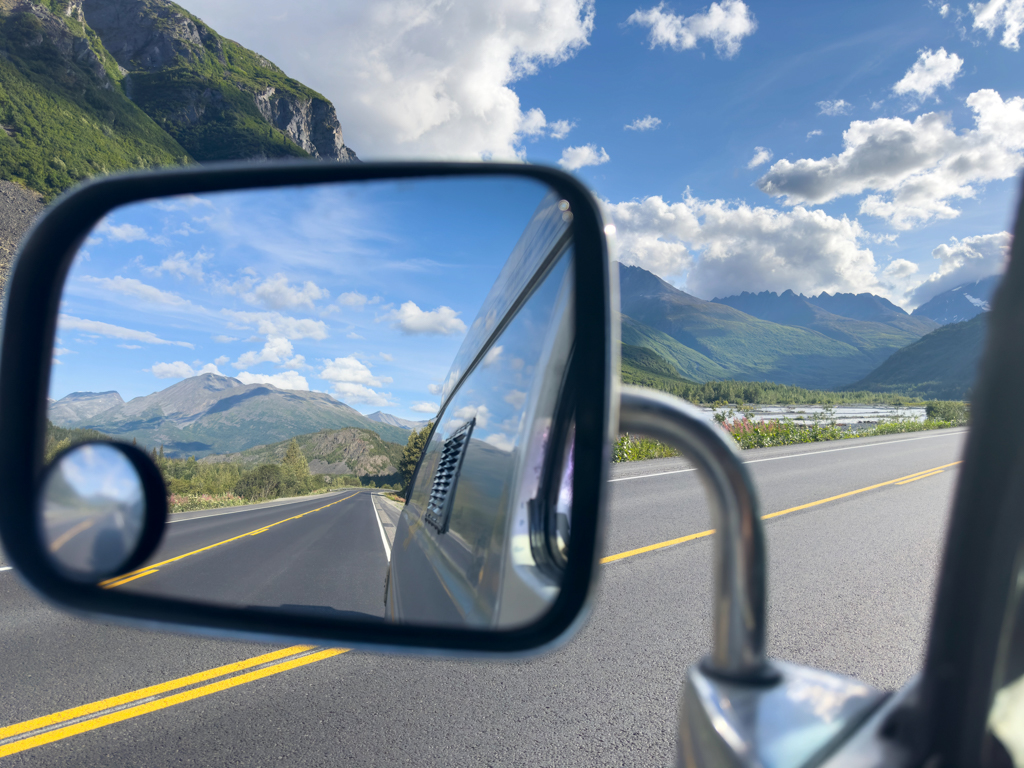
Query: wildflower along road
point(854, 539)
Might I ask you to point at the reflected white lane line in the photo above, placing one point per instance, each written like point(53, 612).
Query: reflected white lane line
point(380, 527)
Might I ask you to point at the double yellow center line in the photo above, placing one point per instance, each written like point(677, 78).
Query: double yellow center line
point(88, 717)
point(146, 570)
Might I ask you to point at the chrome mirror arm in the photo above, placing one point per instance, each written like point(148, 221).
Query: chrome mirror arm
point(737, 651)
point(739, 708)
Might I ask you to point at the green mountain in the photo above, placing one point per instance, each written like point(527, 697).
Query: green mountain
point(940, 366)
point(89, 87)
point(352, 451)
point(888, 329)
point(720, 342)
point(217, 414)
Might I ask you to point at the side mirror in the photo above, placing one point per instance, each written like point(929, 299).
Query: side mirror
point(291, 293)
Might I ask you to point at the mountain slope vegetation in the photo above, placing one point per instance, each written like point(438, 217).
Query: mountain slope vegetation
point(940, 366)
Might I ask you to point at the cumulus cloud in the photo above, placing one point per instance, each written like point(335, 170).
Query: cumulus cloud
point(70, 322)
point(352, 381)
point(276, 324)
point(833, 108)
point(761, 156)
point(122, 233)
point(435, 389)
point(501, 441)
point(492, 356)
point(415, 78)
point(180, 370)
point(964, 260)
point(574, 158)
point(916, 167)
point(560, 129)
point(442, 321)
point(182, 266)
point(469, 412)
point(944, 10)
point(352, 299)
point(643, 124)
point(994, 14)
point(277, 350)
point(283, 380)
point(277, 293)
point(129, 286)
point(424, 407)
point(931, 71)
point(815, 132)
point(743, 248)
point(725, 24)
point(515, 398)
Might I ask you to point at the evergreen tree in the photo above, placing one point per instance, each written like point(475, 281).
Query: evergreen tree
point(295, 475)
point(413, 450)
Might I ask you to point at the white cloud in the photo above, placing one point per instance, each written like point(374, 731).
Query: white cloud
point(222, 339)
point(277, 350)
point(944, 10)
point(414, 78)
point(643, 124)
point(129, 346)
point(468, 412)
point(741, 248)
point(761, 156)
point(500, 441)
point(442, 321)
point(70, 322)
point(175, 370)
point(222, 360)
point(533, 123)
point(815, 132)
point(277, 293)
point(725, 24)
point(492, 356)
point(181, 266)
point(129, 286)
point(276, 324)
point(931, 71)
point(435, 389)
point(352, 299)
point(123, 233)
point(832, 108)
point(386, 356)
point(357, 393)
point(284, 380)
point(1001, 13)
point(352, 380)
point(918, 167)
point(574, 158)
point(515, 398)
point(560, 129)
point(430, 408)
point(354, 335)
point(964, 260)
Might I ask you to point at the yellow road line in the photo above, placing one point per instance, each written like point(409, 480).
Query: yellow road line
point(163, 703)
point(129, 578)
point(122, 579)
point(69, 534)
point(898, 481)
point(922, 477)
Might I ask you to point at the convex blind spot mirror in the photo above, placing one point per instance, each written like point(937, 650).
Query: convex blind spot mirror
point(358, 389)
point(101, 512)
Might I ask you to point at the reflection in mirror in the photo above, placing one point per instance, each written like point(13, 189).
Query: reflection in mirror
point(92, 511)
point(283, 355)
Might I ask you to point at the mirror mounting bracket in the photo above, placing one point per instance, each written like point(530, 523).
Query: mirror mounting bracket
point(739, 708)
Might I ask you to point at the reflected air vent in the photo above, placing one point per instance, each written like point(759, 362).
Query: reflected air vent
point(441, 494)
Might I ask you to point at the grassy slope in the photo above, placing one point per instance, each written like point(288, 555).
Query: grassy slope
point(66, 126)
point(687, 362)
point(941, 365)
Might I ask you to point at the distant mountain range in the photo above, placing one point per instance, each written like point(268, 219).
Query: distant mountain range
point(387, 418)
point(786, 339)
point(941, 365)
point(960, 303)
point(210, 414)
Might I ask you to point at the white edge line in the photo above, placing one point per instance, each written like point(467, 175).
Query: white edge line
point(796, 455)
point(380, 526)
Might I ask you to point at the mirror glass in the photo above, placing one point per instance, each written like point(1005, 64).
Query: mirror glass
point(92, 511)
point(284, 354)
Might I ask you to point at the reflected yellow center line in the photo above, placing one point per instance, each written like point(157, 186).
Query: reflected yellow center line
point(146, 570)
point(69, 534)
point(99, 714)
point(672, 542)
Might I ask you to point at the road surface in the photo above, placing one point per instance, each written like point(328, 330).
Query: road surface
point(854, 546)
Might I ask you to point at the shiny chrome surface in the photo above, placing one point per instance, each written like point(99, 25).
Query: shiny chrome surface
point(739, 624)
point(93, 511)
point(796, 721)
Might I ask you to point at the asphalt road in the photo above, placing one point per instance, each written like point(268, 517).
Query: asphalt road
point(851, 583)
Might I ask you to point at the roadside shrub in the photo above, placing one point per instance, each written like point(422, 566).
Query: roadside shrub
point(260, 484)
point(956, 411)
point(631, 448)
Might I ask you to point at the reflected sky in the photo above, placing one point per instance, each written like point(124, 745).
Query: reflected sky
point(363, 290)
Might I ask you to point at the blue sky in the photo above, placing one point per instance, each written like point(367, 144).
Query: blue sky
point(361, 290)
point(889, 135)
point(737, 146)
